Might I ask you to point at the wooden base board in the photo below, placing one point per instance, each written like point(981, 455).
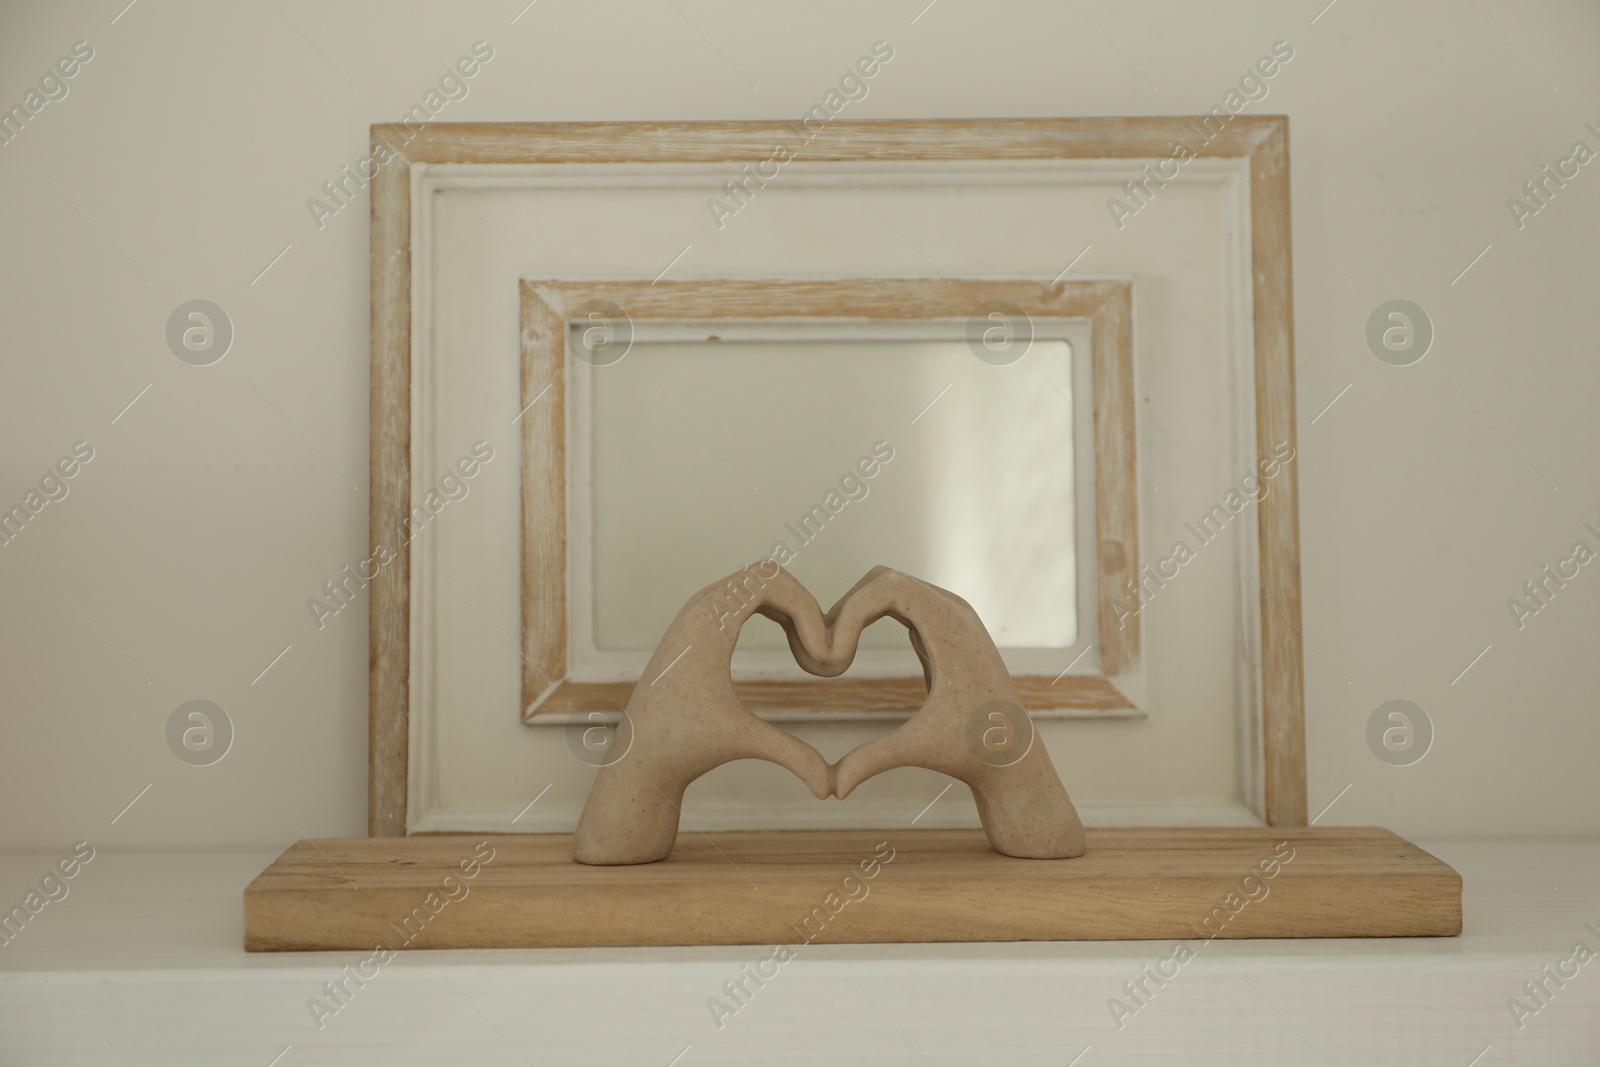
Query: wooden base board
point(849, 886)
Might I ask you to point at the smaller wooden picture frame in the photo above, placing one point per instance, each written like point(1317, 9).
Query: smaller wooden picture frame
point(550, 307)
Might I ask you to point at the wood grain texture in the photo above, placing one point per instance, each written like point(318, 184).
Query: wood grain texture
point(547, 306)
point(544, 498)
point(1278, 513)
point(786, 887)
point(1116, 490)
point(389, 474)
point(871, 696)
point(1138, 137)
point(845, 298)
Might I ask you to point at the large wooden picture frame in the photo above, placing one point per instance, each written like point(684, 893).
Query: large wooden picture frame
point(1258, 143)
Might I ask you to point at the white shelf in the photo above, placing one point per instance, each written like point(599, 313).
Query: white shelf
point(142, 960)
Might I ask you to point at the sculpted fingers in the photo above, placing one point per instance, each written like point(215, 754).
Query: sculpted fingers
point(762, 740)
point(921, 607)
point(906, 745)
point(719, 611)
point(811, 639)
point(863, 762)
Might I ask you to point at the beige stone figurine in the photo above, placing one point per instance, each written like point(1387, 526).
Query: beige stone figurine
point(684, 717)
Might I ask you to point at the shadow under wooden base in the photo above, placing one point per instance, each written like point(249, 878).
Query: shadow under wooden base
point(795, 887)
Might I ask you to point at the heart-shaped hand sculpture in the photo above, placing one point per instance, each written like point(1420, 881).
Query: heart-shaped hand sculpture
point(684, 717)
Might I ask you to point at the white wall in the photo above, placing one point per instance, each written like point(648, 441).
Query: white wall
point(218, 503)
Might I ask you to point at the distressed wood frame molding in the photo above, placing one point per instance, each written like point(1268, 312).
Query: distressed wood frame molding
point(1259, 143)
point(549, 308)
